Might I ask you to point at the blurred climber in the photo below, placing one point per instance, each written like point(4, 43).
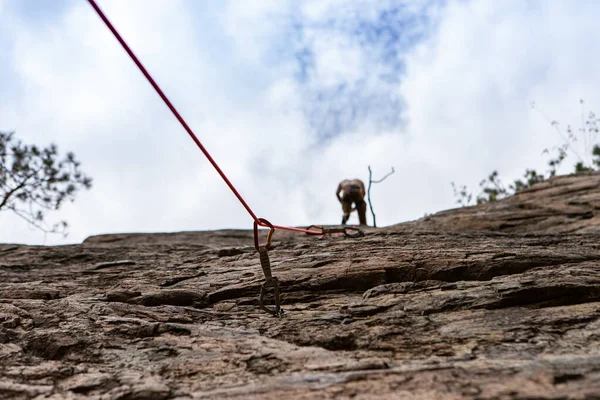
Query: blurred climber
point(353, 193)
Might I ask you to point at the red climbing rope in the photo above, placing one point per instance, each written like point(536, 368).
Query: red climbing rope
point(257, 221)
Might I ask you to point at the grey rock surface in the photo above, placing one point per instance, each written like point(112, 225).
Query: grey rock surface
point(416, 310)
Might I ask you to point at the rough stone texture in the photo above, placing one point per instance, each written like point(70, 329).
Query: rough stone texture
point(563, 204)
point(405, 312)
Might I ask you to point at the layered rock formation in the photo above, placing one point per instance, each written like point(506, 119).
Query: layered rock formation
point(498, 301)
point(563, 204)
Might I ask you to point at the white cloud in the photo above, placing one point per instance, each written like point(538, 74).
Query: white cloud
point(467, 88)
point(460, 76)
point(254, 26)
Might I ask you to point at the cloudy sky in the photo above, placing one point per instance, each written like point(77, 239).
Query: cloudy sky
point(289, 97)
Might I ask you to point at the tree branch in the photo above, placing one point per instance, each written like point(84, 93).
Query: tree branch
point(385, 176)
point(34, 181)
point(371, 181)
point(31, 221)
point(8, 194)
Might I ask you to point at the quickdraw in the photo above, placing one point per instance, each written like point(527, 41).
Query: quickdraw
point(263, 254)
point(271, 281)
point(265, 263)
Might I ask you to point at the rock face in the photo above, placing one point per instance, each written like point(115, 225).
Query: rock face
point(563, 204)
point(428, 309)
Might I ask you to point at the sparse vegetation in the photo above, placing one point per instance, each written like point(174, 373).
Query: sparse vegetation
point(580, 143)
point(34, 181)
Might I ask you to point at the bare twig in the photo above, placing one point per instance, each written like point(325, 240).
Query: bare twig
point(556, 127)
point(371, 181)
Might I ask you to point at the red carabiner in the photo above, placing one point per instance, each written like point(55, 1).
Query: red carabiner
point(263, 222)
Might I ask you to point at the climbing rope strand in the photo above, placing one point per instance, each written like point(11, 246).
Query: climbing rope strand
point(170, 105)
point(271, 281)
point(348, 231)
point(164, 97)
point(307, 231)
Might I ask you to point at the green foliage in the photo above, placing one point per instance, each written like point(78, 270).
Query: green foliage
point(596, 156)
point(531, 178)
point(462, 194)
point(587, 155)
point(491, 189)
point(33, 181)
